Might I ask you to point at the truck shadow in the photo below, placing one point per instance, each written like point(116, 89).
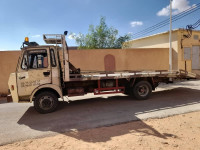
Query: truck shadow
point(70, 119)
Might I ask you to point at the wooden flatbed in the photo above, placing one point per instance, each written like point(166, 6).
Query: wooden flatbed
point(98, 75)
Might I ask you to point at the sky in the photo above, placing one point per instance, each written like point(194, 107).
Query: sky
point(33, 18)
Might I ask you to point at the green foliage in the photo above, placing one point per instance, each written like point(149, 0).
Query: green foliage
point(100, 37)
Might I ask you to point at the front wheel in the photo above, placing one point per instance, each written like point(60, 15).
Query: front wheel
point(45, 102)
point(142, 90)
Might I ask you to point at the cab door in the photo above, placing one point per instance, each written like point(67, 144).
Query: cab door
point(34, 71)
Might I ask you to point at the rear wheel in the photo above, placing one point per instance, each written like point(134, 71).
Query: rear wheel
point(45, 102)
point(142, 90)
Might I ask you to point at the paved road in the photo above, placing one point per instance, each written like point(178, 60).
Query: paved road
point(21, 121)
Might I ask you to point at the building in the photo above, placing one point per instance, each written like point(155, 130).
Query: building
point(186, 51)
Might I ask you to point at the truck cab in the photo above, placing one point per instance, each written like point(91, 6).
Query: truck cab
point(38, 72)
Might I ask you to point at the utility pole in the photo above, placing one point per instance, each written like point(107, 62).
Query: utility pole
point(170, 38)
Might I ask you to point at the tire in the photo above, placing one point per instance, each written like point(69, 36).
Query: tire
point(142, 90)
point(45, 102)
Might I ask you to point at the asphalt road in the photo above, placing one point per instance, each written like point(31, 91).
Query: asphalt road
point(21, 121)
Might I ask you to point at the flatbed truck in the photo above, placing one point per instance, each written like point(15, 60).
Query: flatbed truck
point(44, 74)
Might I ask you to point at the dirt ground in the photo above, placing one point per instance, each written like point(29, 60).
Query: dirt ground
point(176, 132)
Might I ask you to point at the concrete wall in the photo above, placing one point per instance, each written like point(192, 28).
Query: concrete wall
point(158, 41)
point(8, 62)
point(91, 60)
point(125, 59)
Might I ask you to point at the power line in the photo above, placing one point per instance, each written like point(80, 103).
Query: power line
point(166, 22)
point(151, 30)
point(189, 28)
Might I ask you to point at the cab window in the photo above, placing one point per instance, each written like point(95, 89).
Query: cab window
point(53, 60)
point(24, 65)
point(35, 59)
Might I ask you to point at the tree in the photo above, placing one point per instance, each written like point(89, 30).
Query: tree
point(100, 37)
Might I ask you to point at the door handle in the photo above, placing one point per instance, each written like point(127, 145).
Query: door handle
point(22, 77)
point(46, 73)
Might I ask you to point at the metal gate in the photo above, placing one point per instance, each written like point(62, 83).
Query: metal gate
point(195, 57)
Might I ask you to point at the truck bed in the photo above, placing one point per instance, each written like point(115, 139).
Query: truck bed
point(97, 75)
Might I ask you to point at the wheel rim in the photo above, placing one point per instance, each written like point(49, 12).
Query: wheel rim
point(143, 90)
point(46, 102)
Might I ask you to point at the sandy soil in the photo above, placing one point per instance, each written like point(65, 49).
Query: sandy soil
point(176, 132)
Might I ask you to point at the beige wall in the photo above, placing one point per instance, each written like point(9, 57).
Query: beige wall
point(125, 59)
point(8, 62)
point(130, 59)
point(158, 41)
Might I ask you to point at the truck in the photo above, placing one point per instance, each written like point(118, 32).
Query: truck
point(44, 76)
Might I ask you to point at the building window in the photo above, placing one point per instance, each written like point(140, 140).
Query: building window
point(187, 53)
point(196, 37)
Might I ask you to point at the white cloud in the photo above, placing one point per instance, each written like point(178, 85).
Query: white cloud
point(177, 7)
point(71, 36)
point(35, 36)
point(136, 23)
point(164, 12)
